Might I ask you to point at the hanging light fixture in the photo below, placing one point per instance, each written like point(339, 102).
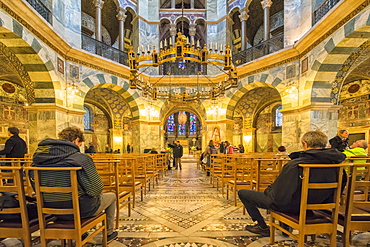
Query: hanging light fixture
point(182, 51)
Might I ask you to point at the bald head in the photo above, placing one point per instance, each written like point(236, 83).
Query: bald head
point(360, 144)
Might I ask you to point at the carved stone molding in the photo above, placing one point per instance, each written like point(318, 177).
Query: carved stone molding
point(266, 4)
point(98, 3)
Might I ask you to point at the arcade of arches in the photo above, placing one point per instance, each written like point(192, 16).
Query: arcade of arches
point(65, 66)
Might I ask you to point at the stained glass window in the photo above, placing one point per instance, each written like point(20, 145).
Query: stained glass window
point(182, 129)
point(278, 117)
point(193, 124)
point(171, 125)
point(87, 119)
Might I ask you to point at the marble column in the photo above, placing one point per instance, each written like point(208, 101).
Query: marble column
point(173, 4)
point(243, 19)
point(98, 6)
point(47, 120)
point(121, 16)
point(173, 34)
point(317, 116)
point(266, 5)
point(192, 4)
point(192, 32)
point(249, 140)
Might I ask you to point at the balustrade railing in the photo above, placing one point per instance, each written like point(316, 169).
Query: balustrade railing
point(323, 9)
point(264, 48)
point(92, 45)
point(41, 9)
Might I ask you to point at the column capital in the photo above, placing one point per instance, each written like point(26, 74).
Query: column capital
point(192, 30)
point(244, 15)
point(266, 3)
point(98, 3)
point(121, 16)
point(173, 31)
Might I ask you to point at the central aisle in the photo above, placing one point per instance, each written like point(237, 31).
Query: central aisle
point(185, 210)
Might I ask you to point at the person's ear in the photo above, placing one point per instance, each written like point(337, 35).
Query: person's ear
point(305, 146)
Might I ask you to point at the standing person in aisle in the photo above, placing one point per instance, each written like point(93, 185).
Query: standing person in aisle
point(177, 153)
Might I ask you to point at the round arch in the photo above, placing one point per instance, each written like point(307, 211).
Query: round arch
point(331, 70)
point(240, 93)
point(36, 90)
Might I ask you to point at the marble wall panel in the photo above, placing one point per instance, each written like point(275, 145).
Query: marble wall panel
point(67, 21)
point(153, 9)
point(143, 9)
point(212, 10)
point(297, 20)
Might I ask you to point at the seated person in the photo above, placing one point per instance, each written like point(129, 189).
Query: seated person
point(283, 195)
point(153, 151)
point(65, 152)
point(358, 148)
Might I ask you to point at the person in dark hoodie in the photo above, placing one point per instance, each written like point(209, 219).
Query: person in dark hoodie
point(284, 194)
point(65, 152)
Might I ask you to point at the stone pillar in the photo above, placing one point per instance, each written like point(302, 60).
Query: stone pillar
point(117, 139)
point(249, 140)
point(173, 33)
point(317, 116)
point(243, 19)
point(192, 32)
point(173, 4)
point(121, 16)
point(266, 4)
point(192, 4)
point(98, 6)
point(47, 120)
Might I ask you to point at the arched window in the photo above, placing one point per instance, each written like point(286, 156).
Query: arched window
point(183, 123)
point(278, 117)
point(171, 125)
point(193, 124)
point(87, 118)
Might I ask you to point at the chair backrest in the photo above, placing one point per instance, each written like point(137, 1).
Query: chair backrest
point(71, 187)
point(359, 187)
point(243, 169)
point(107, 172)
point(126, 170)
point(16, 174)
point(267, 171)
point(308, 186)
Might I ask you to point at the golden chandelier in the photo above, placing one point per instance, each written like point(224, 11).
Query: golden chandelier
point(182, 51)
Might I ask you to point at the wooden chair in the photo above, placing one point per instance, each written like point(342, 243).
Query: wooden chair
point(228, 164)
point(62, 229)
point(243, 175)
point(127, 181)
point(14, 228)
point(266, 172)
point(107, 172)
point(141, 174)
point(151, 169)
point(215, 167)
point(315, 223)
point(357, 209)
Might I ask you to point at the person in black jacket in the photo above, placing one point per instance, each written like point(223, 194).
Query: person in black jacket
point(177, 153)
point(284, 194)
point(15, 147)
point(340, 141)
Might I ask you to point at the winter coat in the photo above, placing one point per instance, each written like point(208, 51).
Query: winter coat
point(61, 153)
point(338, 143)
point(15, 147)
point(285, 192)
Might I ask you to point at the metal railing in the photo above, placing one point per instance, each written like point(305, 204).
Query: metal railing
point(323, 9)
point(41, 9)
point(264, 48)
point(92, 45)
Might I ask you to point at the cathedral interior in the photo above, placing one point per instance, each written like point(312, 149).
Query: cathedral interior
point(259, 73)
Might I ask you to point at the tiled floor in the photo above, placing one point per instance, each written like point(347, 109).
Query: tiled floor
point(185, 210)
